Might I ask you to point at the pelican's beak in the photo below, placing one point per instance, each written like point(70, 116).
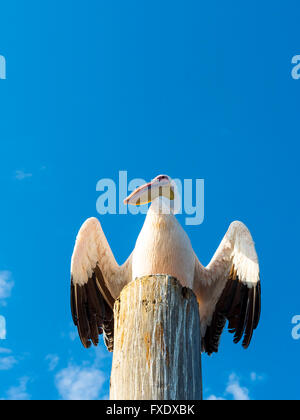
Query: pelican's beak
point(148, 192)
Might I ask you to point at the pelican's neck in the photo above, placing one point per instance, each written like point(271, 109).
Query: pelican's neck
point(161, 207)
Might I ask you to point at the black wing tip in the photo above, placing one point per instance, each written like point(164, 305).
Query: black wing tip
point(241, 306)
point(73, 304)
point(252, 315)
point(86, 343)
point(91, 314)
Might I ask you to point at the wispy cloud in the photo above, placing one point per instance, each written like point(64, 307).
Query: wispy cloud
point(6, 284)
point(7, 362)
point(214, 398)
point(19, 392)
point(235, 389)
point(257, 377)
point(21, 175)
point(4, 350)
point(80, 383)
point(53, 361)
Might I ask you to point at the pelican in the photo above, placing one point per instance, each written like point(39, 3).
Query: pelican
point(228, 289)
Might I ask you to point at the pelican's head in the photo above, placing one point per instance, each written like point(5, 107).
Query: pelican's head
point(161, 189)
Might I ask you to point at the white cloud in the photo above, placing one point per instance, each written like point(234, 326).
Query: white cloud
point(234, 390)
point(214, 398)
point(7, 362)
point(79, 383)
point(53, 360)
point(19, 392)
point(255, 377)
point(4, 350)
point(6, 284)
point(20, 175)
point(233, 387)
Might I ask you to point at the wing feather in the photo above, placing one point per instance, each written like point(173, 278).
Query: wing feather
point(228, 289)
point(96, 280)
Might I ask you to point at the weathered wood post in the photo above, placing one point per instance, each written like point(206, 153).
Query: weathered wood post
point(157, 342)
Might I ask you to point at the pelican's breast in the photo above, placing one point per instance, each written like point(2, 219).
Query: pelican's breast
point(163, 247)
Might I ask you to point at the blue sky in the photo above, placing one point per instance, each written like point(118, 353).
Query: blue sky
point(192, 89)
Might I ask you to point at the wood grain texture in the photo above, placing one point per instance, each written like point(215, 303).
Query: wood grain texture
point(157, 342)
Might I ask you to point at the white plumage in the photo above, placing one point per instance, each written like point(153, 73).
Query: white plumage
point(227, 289)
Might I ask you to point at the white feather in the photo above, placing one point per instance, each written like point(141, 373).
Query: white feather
point(236, 249)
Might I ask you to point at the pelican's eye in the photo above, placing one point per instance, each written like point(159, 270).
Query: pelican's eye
point(162, 178)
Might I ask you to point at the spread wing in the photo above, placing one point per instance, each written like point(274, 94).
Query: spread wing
point(229, 289)
point(96, 281)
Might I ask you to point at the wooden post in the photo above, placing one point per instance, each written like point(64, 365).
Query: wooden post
point(157, 342)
